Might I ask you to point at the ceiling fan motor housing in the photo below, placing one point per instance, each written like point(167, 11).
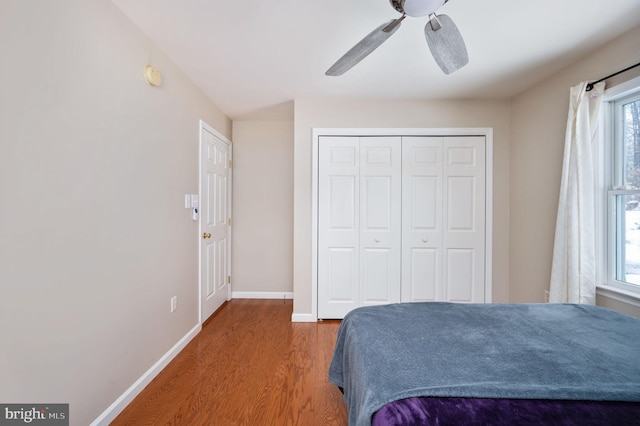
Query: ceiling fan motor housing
point(417, 7)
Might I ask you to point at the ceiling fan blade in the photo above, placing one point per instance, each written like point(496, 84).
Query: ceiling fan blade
point(446, 44)
point(365, 46)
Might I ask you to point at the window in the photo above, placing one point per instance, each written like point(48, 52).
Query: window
point(623, 193)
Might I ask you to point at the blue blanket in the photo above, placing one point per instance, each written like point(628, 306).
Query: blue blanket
point(528, 351)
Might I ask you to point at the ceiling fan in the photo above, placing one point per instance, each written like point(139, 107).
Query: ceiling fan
point(443, 38)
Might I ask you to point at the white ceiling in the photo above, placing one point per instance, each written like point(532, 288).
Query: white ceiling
point(252, 57)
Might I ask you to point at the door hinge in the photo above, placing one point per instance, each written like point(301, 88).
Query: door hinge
point(229, 221)
point(228, 279)
point(230, 163)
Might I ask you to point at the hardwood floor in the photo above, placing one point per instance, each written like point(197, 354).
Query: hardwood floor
point(250, 365)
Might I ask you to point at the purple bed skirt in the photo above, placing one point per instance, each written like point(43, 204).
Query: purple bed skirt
point(487, 411)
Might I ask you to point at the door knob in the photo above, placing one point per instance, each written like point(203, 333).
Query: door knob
point(206, 235)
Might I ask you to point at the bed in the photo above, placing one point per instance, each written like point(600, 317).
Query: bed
point(448, 363)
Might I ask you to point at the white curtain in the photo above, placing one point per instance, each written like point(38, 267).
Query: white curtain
point(573, 272)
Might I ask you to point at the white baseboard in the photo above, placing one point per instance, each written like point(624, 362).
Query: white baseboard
point(279, 295)
point(116, 408)
point(303, 318)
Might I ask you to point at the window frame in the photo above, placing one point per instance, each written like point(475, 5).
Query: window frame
point(609, 187)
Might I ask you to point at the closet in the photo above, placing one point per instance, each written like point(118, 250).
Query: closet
point(400, 219)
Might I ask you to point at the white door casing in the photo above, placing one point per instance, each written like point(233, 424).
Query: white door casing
point(215, 221)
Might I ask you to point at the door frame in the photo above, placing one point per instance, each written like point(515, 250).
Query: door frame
point(487, 132)
point(203, 126)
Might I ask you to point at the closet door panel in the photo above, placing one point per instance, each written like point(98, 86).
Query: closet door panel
point(341, 270)
point(460, 203)
point(377, 208)
point(380, 219)
point(338, 226)
point(460, 275)
point(424, 267)
point(424, 193)
point(377, 270)
point(421, 218)
point(342, 202)
point(464, 220)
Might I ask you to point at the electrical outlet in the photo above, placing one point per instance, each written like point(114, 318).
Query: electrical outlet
point(174, 303)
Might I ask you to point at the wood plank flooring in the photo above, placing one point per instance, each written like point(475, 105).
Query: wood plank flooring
point(250, 365)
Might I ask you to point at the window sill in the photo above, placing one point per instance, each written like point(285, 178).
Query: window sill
point(618, 294)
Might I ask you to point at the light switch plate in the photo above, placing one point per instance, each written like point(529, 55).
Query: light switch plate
point(194, 201)
point(187, 201)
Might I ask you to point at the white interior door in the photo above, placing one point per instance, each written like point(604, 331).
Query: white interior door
point(215, 222)
point(380, 220)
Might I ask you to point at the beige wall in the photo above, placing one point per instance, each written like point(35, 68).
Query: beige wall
point(310, 114)
point(538, 121)
point(94, 236)
point(262, 250)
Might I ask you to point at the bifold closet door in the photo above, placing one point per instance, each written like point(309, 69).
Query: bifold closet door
point(422, 219)
point(338, 225)
point(443, 219)
point(380, 220)
point(464, 220)
point(359, 235)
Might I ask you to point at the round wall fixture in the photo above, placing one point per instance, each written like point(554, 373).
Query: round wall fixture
point(152, 75)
